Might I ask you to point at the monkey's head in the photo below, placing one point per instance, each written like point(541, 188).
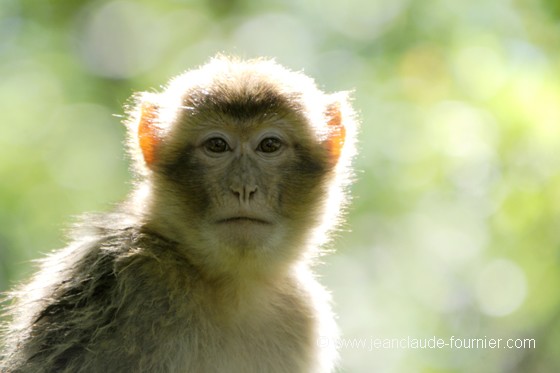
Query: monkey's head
point(245, 158)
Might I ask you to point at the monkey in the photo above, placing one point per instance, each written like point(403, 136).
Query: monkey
point(242, 172)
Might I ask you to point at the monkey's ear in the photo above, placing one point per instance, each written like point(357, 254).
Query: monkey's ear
point(337, 131)
point(148, 132)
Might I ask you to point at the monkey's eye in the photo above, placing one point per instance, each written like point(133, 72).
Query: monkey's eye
point(269, 145)
point(216, 145)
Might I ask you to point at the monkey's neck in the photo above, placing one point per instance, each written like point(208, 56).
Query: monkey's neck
point(238, 294)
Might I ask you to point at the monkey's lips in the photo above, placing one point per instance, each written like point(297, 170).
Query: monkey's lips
point(243, 220)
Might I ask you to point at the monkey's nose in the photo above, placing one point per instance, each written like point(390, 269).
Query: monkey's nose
point(245, 193)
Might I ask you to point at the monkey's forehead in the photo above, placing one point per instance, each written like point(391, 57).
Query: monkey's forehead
point(243, 103)
point(292, 127)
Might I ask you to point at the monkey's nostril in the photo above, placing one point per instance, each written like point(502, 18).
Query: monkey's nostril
point(251, 192)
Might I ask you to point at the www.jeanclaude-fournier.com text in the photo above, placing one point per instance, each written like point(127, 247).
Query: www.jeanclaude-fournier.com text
point(453, 342)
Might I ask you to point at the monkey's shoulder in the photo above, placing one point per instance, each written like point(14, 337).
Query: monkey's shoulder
point(112, 278)
point(116, 251)
point(103, 264)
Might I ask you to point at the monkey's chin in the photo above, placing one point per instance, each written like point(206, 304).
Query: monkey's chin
point(244, 233)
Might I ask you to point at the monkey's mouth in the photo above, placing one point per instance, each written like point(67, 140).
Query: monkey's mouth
point(243, 219)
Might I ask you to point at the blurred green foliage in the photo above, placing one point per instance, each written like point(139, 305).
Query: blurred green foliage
point(455, 226)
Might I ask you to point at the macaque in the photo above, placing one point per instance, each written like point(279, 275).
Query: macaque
point(242, 167)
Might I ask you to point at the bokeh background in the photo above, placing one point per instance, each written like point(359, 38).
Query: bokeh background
point(455, 224)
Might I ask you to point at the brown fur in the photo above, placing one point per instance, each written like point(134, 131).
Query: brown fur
point(206, 268)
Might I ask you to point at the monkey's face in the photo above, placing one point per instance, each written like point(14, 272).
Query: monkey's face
point(246, 185)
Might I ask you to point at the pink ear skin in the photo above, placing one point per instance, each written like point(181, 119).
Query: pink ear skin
point(148, 132)
point(337, 132)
